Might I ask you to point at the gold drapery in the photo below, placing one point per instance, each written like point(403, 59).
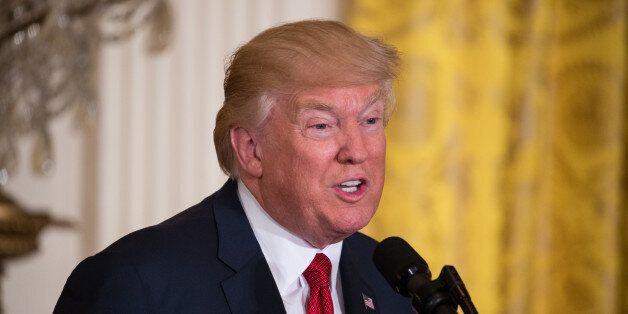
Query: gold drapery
point(506, 156)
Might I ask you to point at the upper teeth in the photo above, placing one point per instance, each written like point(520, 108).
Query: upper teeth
point(351, 183)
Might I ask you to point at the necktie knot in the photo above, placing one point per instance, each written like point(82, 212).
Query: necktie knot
point(318, 273)
point(317, 277)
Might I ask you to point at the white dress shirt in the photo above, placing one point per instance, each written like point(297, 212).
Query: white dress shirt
point(288, 256)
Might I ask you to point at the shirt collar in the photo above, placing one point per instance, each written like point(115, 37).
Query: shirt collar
point(287, 255)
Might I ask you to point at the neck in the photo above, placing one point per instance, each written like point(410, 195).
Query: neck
point(252, 184)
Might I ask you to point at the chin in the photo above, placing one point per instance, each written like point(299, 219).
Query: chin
point(352, 223)
point(342, 227)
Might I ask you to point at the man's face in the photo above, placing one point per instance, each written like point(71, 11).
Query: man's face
point(323, 158)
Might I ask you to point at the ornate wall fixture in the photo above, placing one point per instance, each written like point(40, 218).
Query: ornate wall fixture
point(48, 66)
point(48, 54)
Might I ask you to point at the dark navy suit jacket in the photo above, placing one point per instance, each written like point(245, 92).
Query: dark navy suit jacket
point(206, 260)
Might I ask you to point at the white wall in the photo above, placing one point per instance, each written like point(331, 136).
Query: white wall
point(152, 154)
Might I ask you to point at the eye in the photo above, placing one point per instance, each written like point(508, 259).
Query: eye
point(372, 120)
point(320, 126)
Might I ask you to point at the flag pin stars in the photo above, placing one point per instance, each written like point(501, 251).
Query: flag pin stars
point(368, 302)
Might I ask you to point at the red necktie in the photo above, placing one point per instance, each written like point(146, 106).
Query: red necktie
point(317, 276)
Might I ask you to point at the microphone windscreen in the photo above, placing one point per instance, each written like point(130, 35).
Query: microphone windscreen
point(393, 257)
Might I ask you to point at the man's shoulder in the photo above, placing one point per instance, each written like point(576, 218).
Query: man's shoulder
point(155, 265)
point(182, 230)
point(155, 253)
point(193, 229)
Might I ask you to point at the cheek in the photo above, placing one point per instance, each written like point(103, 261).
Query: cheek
point(278, 151)
point(377, 149)
point(315, 157)
point(378, 164)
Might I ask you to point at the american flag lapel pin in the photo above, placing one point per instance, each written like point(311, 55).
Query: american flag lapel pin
point(368, 302)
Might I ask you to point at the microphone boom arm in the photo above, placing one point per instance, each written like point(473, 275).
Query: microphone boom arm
point(444, 294)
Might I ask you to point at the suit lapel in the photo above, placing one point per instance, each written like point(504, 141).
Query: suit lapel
point(252, 288)
point(357, 294)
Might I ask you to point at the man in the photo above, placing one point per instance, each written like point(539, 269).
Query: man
point(301, 135)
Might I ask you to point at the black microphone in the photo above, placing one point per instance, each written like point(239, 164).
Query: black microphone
point(409, 275)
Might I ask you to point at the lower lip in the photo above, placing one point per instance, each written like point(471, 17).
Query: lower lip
point(351, 196)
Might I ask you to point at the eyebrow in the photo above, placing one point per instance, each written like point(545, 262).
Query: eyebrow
point(314, 105)
point(373, 98)
point(320, 106)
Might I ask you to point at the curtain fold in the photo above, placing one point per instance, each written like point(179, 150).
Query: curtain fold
point(506, 156)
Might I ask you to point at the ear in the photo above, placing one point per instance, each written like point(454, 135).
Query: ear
point(247, 151)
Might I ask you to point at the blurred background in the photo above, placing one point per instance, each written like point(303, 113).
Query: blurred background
point(506, 156)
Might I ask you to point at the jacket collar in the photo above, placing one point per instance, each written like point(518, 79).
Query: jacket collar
point(252, 288)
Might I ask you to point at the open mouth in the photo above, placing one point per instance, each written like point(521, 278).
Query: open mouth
point(351, 186)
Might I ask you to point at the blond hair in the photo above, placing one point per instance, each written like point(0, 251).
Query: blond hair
point(285, 58)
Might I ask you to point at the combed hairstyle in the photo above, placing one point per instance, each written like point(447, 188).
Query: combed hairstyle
point(282, 60)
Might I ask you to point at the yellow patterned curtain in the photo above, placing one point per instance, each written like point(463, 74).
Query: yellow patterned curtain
point(506, 154)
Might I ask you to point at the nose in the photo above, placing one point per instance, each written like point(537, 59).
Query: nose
point(353, 148)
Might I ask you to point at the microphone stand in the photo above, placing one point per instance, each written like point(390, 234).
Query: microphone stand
point(442, 295)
